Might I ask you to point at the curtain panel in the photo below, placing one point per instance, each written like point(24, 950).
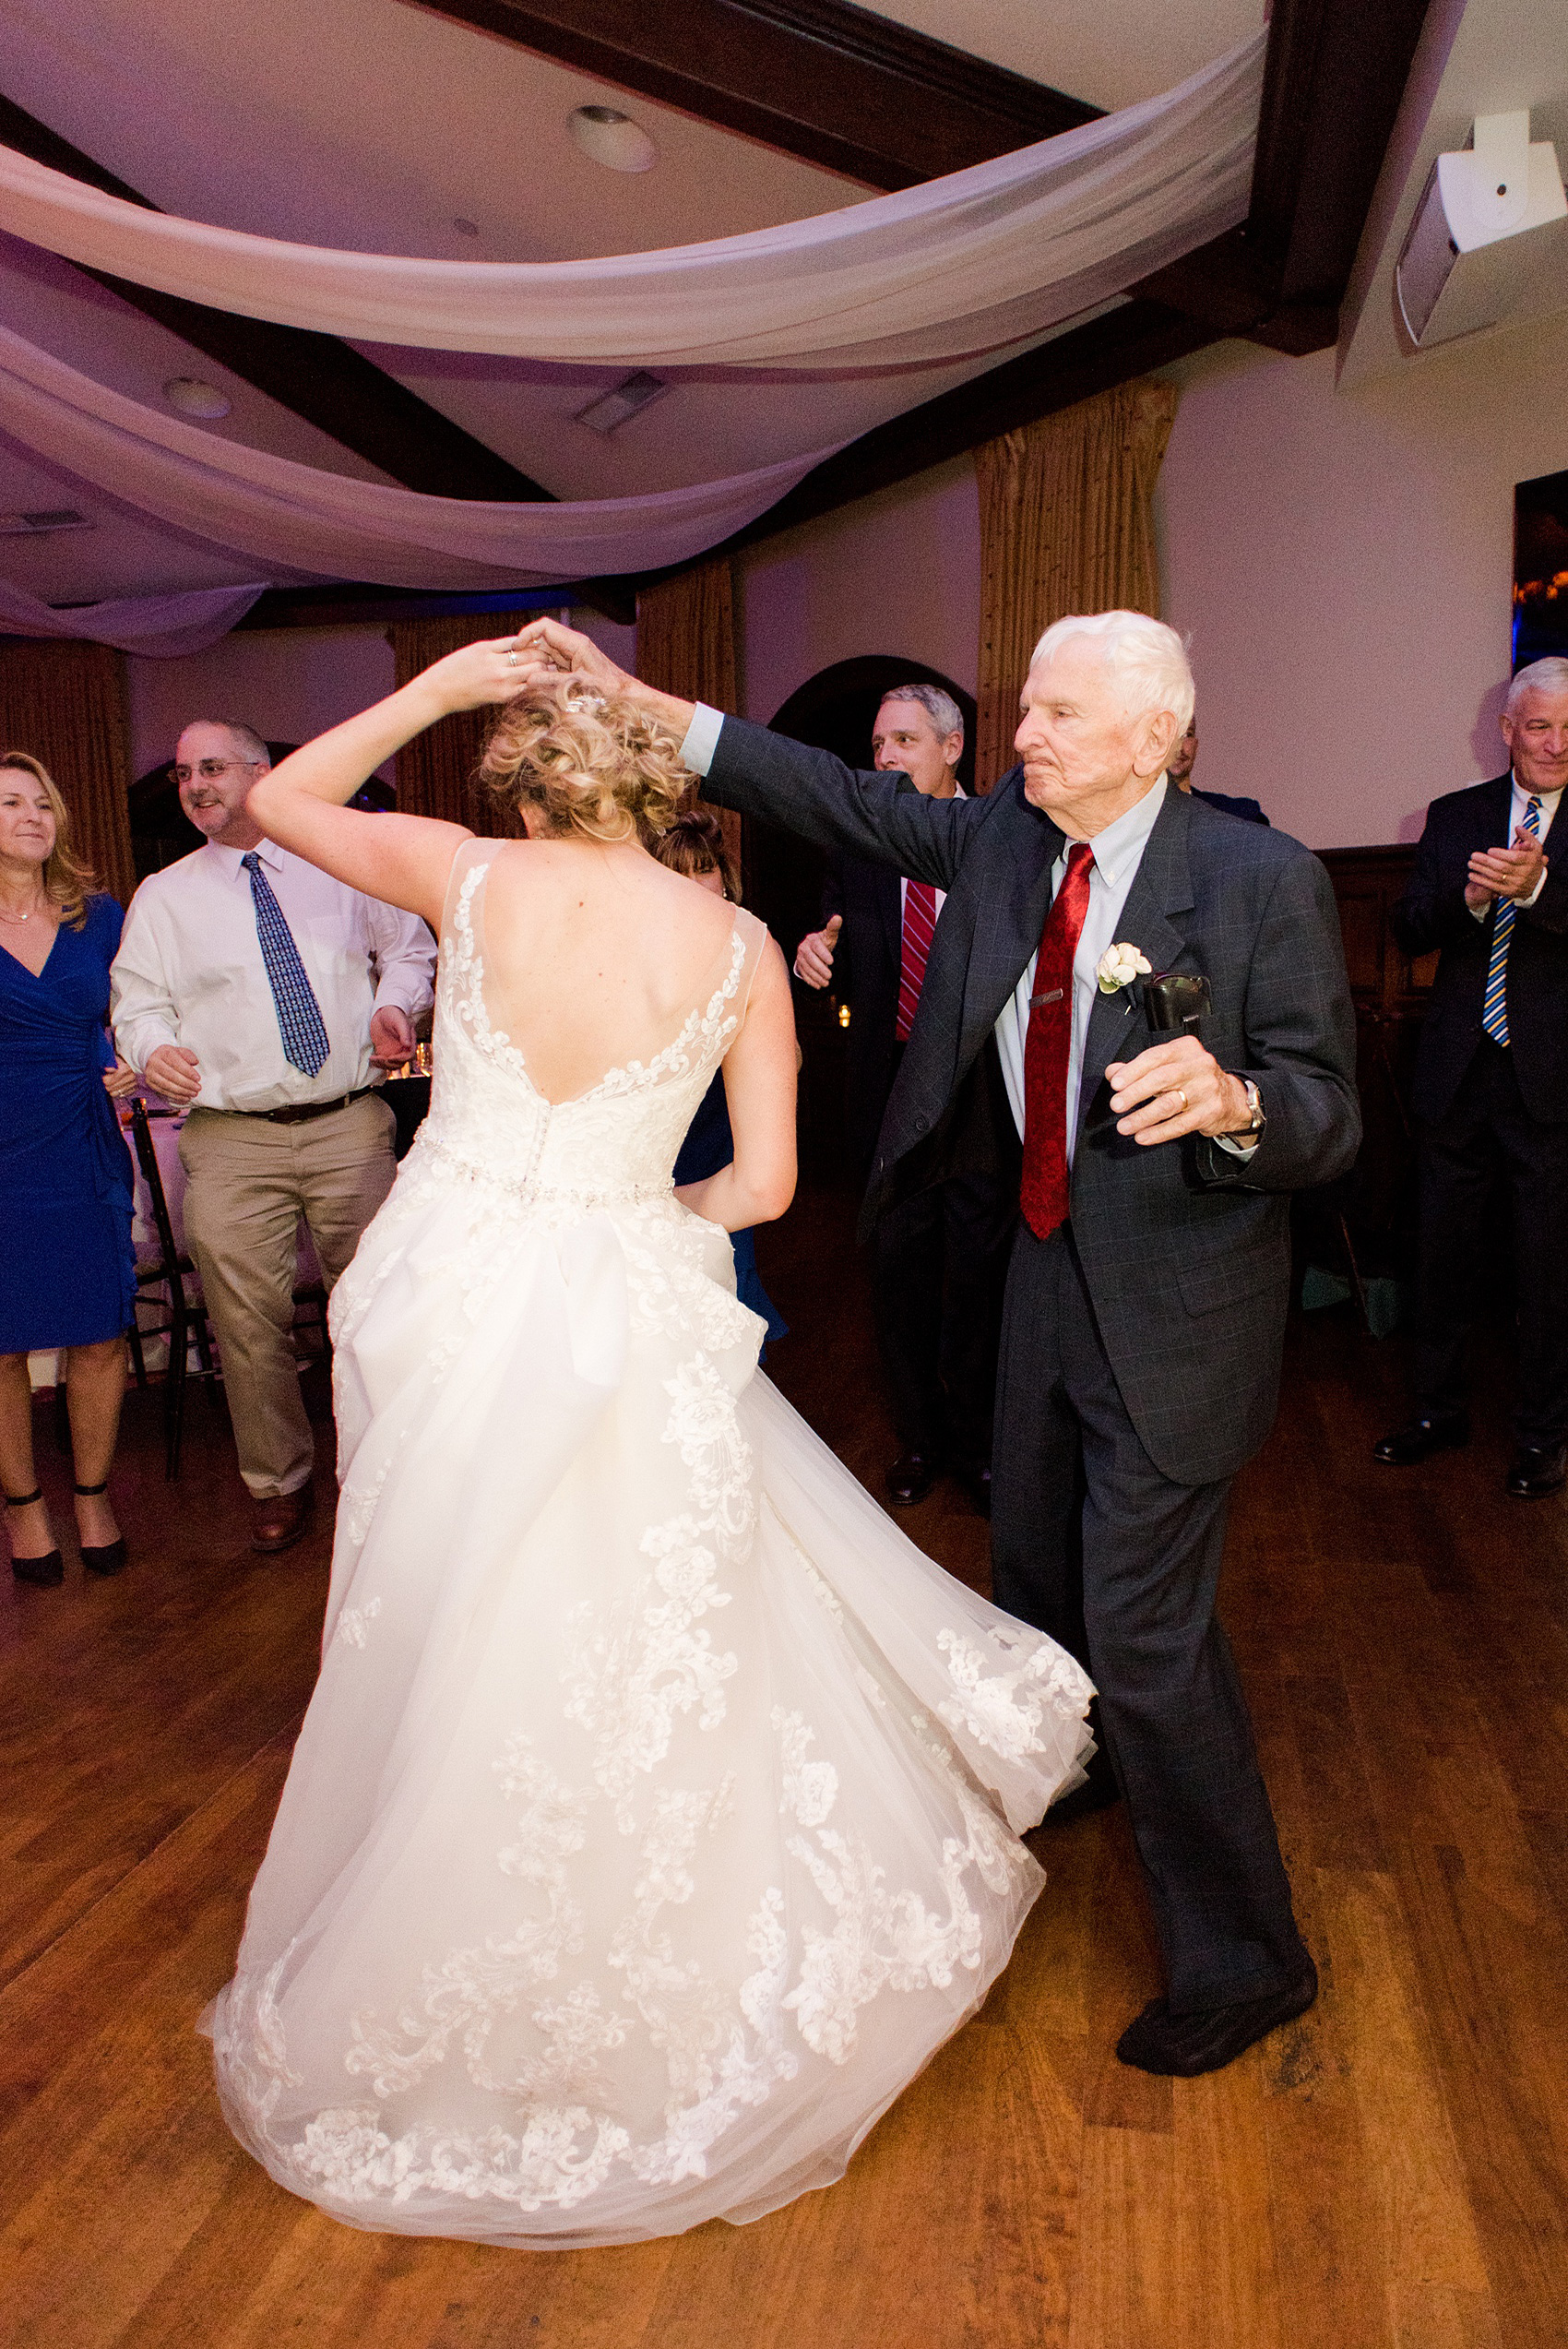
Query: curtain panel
point(1067, 525)
point(686, 646)
point(959, 265)
point(65, 705)
point(435, 772)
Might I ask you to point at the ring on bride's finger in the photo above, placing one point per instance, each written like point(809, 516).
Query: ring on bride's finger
point(511, 656)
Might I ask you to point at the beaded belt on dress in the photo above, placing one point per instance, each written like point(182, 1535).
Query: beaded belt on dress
point(528, 1187)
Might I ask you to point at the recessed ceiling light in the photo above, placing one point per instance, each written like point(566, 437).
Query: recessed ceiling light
point(194, 398)
point(613, 139)
point(466, 228)
point(613, 409)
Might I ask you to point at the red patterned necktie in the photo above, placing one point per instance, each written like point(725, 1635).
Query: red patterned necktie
point(1044, 1194)
point(919, 927)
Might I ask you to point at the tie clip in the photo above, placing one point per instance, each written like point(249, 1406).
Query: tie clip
point(1055, 996)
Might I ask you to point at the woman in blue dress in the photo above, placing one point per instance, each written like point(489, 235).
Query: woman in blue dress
point(695, 845)
point(65, 1170)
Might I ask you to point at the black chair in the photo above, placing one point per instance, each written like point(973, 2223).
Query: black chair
point(183, 1319)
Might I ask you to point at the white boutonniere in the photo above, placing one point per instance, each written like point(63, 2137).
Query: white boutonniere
point(1119, 966)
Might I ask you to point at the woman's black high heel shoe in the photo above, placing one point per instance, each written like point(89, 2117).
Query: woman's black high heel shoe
point(109, 1557)
point(45, 1571)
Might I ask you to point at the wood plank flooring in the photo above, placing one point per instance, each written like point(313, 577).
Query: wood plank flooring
point(1390, 2173)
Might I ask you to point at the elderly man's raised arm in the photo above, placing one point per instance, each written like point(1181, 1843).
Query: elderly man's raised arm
point(879, 817)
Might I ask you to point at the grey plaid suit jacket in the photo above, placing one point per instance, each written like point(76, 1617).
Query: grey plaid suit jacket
point(1185, 1249)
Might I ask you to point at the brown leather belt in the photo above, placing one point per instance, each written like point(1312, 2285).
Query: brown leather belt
point(300, 1113)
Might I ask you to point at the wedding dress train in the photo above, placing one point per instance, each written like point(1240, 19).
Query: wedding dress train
point(652, 1822)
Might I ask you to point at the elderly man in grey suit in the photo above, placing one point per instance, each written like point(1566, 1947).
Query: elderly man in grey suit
point(1147, 1295)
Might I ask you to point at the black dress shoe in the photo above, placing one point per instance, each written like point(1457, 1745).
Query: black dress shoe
point(1180, 2046)
point(974, 1475)
point(912, 1477)
point(1438, 1432)
point(1539, 1470)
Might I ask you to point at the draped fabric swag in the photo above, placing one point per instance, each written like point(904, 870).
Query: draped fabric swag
point(1066, 511)
point(335, 527)
point(959, 265)
point(65, 705)
point(161, 626)
point(435, 770)
point(686, 646)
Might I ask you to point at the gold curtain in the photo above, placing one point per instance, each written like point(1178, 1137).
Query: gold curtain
point(686, 646)
point(435, 770)
point(1067, 525)
point(66, 704)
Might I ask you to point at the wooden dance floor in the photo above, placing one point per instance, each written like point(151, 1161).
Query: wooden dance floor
point(1391, 2170)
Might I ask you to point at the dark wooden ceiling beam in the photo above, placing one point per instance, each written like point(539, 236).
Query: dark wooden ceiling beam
point(835, 84)
point(321, 379)
point(1335, 75)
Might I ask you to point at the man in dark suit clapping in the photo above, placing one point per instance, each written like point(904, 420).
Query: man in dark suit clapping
point(1491, 1083)
point(1148, 1290)
point(939, 1259)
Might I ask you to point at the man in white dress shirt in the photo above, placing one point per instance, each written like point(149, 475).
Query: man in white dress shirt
point(264, 993)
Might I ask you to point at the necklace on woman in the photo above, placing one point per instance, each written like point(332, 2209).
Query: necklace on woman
point(33, 909)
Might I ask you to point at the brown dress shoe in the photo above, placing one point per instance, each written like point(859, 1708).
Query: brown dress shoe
point(277, 1523)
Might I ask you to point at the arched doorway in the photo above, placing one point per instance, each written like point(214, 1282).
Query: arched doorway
point(834, 710)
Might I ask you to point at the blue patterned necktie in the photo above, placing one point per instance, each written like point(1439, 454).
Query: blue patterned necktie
point(1494, 1003)
point(298, 1014)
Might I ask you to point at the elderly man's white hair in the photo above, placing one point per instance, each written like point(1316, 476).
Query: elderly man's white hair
point(1547, 675)
point(1147, 660)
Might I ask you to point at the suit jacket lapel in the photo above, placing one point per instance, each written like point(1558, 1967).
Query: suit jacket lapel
point(1160, 887)
point(1009, 912)
point(1496, 801)
point(890, 905)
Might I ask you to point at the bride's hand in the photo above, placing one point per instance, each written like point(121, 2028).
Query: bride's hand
point(476, 676)
point(546, 648)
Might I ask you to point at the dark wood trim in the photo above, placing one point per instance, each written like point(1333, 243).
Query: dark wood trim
point(833, 84)
point(1335, 75)
point(323, 380)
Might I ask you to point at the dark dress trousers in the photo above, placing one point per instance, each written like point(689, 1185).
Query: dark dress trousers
point(1140, 1354)
point(1489, 1113)
point(939, 1258)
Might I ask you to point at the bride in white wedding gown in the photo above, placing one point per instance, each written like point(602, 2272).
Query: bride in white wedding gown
point(654, 1818)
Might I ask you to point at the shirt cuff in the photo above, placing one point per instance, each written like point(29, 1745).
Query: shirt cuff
point(1234, 1147)
point(1536, 891)
point(702, 739)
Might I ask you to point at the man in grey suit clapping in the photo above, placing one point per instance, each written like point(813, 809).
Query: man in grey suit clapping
point(1147, 1295)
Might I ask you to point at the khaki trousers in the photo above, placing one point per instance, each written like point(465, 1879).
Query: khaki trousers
point(247, 1183)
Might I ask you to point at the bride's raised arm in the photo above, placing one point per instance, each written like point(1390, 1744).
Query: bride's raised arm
point(404, 860)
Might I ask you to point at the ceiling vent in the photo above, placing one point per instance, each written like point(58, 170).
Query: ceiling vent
point(613, 409)
point(1473, 254)
point(42, 521)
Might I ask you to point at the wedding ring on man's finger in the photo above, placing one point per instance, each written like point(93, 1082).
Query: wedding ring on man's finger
point(1180, 1096)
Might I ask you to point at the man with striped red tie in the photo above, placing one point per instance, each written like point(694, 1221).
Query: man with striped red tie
point(1491, 1084)
point(939, 1259)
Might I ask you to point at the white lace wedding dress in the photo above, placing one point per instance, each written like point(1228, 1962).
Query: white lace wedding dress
point(652, 1821)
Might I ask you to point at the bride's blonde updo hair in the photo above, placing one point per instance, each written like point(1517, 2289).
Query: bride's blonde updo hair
point(593, 764)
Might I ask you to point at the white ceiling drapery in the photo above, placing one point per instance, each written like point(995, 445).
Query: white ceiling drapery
point(282, 512)
point(947, 271)
point(162, 625)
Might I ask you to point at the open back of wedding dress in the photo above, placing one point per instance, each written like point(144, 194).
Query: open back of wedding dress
point(652, 1821)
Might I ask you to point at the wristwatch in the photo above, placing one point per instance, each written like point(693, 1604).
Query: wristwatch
point(1257, 1119)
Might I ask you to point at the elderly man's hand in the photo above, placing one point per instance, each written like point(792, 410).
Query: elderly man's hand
point(814, 955)
point(547, 648)
point(1175, 1088)
point(391, 1037)
point(1507, 872)
point(174, 1072)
